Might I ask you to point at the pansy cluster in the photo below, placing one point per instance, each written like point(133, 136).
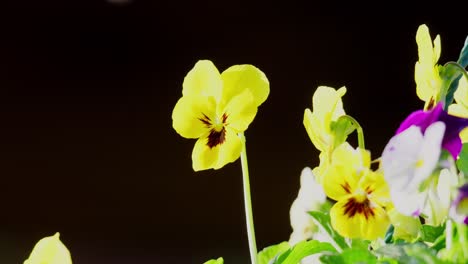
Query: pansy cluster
point(407, 205)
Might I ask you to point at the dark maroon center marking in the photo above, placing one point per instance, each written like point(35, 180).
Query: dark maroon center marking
point(353, 207)
point(346, 187)
point(215, 137)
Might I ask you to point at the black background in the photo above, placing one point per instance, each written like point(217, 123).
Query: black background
point(86, 94)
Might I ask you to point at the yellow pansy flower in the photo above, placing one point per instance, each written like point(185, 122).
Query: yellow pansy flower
point(327, 107)
point(361, 194)
point(426, 72)
point(460, 108)
point(215, 107)
point(49, 250)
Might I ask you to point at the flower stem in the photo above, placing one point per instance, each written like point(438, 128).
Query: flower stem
point(248, 203)
point(360, 132)
point(461, 229)
point(448, 234)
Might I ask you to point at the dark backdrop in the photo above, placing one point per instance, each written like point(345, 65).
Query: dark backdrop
point(86, 94)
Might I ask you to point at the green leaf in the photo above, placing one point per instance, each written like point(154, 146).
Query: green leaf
point(431, 233)
point(322, 220)
point(463, 59)
point(341, 128)
point(350, 256)
point(269, 253)
point(357, 243)
point(450, 74)
point(389, 234)
point(302, 250)
point(215, 261)
point(462, 162)
point(415, 253)
point(420, 253)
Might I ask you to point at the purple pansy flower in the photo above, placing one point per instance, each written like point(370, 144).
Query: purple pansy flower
point(459, 210)
point(453, 126)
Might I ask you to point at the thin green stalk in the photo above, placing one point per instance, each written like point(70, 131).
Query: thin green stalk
point(248, 203)
point(448, 234)
point(360, 132)
point(461, 229)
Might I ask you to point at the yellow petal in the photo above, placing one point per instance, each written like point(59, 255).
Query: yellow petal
point(204, 157)
point(461, 94)
point(189, 112)
point(316, 130)
point(426, 73)
point(437, 50)
point(327, 107)
point(239, 77)
point(374, 182)
point(424, 42)
point(344, 173)
point(358, 225)
point(203, 80)
point(240, 111)
point(49, 250)
point(327, 101)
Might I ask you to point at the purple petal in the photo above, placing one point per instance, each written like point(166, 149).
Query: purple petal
point(453, 126)
point(421, 118)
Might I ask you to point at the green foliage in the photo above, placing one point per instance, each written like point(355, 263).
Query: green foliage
point(350, 256)
point(463, 59)
point(416, 253)
point(462, 162)
point(302, 250)
point(215, 261)
point(269, 253)
point(431, 233)
point(322, 220)
point(341, 128)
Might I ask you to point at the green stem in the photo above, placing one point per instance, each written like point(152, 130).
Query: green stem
point(461, 229)
point(360, 132)
point(459, 67)
point(448, 234)
point(248, 203)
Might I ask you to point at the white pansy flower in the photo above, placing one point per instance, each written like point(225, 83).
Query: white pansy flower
point(407, 161)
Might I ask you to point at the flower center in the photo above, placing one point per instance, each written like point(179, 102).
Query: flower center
point(354, 206)
point(217, 128)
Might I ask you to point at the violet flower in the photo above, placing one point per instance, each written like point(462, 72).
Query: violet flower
point(459, 210)
point(453, 126)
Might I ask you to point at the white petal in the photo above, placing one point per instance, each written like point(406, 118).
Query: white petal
point(429, 152)
point(400, 156)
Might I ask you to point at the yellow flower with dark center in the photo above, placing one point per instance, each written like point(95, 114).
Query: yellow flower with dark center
point(215, 108)
point(361, 194)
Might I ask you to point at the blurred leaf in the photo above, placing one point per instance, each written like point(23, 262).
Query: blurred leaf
point(360, 244)
point(462, 162)
point(350, 256)
point(215, 261)
point(269, 253)
point(416, 253)
point(302, 250)
point(463, 59)
point(322, 220)
point(431, 233)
